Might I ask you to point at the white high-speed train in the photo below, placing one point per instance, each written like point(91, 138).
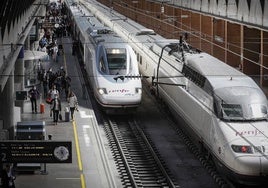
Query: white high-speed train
point(111, 63)
point(224, 109)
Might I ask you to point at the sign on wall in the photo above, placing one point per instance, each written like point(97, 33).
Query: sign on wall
point(26, 151)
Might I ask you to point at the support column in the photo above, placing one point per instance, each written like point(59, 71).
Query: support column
point(19, 80)
point(7, 100)
point(29, 66)
point(19, 72)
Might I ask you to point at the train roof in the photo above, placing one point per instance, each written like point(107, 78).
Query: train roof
point(218, 73)
point(81, 22)
point(215, 71)
point(208, 65)
point(105, 35)
point(163, 42)
point(93, 27)
point(82, 17)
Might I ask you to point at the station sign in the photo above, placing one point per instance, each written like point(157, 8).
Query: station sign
point(28, 151)
point(21, 95)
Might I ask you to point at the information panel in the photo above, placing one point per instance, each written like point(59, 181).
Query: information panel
point(22, 151)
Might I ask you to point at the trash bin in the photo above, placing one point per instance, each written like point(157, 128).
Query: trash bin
point(67, 114)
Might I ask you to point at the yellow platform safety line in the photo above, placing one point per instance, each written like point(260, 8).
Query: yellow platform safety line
point(77, 147)
point(83, 183)
point(82, 179)
point(79, 160)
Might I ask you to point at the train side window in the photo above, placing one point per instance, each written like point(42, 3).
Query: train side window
point(193, 75)
point(215, 107)
point(140, 60)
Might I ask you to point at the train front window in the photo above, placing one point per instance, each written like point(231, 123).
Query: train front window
point(117, 60)
point(232, 112)
point(258, 111)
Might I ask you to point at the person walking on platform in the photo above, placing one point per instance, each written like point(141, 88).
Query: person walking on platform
point(53, 92)
point(50, 77)
point(8, 177)
point(56, 108)
point(74, 47)
point(34, 93)
point(66, 84)
point(73, 103)
point(45, 84)
point(55, 53)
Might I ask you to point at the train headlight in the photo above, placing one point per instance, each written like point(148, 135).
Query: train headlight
point(102, 91)
point(242, 149)
point(138, 90)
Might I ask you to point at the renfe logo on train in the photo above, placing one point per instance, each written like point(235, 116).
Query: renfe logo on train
point(249, 132)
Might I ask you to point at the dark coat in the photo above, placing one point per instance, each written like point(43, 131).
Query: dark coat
point(53, 104)
point(5, 180)
point(34, 93)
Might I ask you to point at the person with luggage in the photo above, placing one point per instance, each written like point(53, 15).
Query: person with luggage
point(55, 108)
point(33, 94)
point(73, 103)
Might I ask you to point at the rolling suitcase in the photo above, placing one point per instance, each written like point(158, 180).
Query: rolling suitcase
point(42, 108)
point(67, 114)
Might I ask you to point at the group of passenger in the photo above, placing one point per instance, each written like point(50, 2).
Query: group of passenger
point(57, 18)
point(58, 78)
point(57, 14)
point(51, 47)
point(55, 84)
point(56, 107)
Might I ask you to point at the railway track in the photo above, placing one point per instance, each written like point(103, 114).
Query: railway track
point(137, 162)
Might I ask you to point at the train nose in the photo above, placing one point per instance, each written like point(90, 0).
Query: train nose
point(251, 170)
point(264, 165)
point(252, 165)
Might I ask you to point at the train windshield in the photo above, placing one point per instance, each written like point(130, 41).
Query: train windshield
point(240, 103)
point(251, 112)
point(258, 111)
point(232, 112)
point(117, 60)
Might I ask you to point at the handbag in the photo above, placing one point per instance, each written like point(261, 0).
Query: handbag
point(48, 100)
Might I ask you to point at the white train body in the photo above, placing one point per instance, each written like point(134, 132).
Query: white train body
point(110, 62)
point(224, 108)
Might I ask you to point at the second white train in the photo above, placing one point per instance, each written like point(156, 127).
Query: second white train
point(110, 62)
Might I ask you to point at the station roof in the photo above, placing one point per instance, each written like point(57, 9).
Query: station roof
point(10, 11)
